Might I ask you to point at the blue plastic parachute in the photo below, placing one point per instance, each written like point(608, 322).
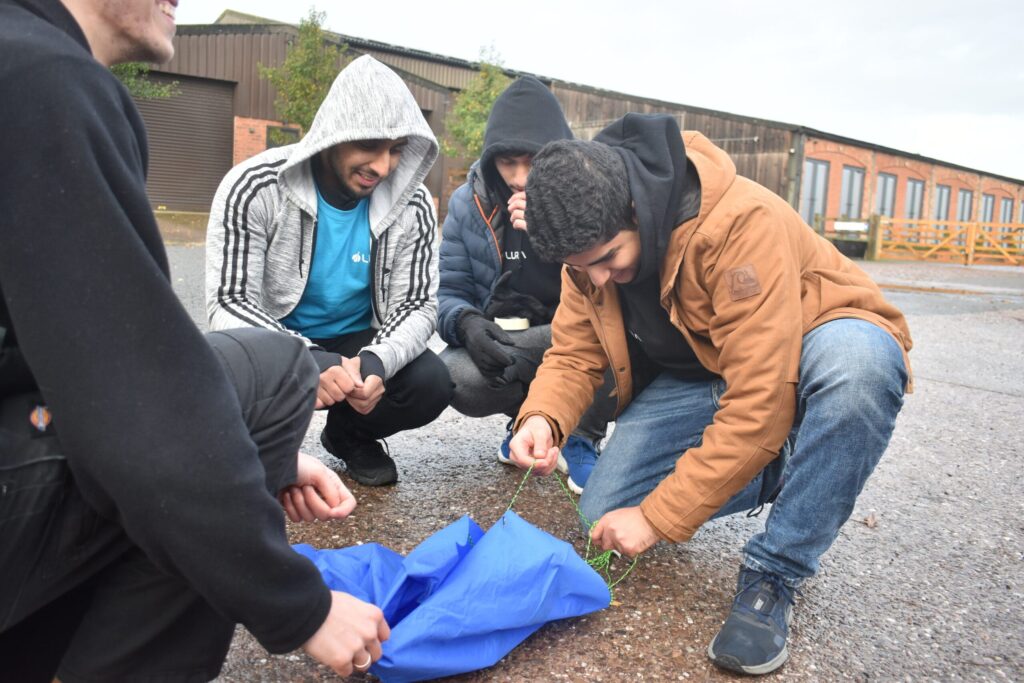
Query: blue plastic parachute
point(462, 599)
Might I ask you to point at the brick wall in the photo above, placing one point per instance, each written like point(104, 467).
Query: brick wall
point(838, 155)
point(904, 169)
point(873, 162)
point(250, 137)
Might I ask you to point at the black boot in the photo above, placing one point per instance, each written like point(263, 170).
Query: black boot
point(365, 461)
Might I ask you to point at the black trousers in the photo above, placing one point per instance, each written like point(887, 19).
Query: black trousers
point(478, 396)
point(76, 596)
point(413, 397)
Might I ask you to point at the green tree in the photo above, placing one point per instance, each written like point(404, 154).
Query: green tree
point(135, 76)
point(467, 118)
point(304, 78)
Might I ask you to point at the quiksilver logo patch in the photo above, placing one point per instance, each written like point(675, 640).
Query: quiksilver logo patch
point(743, 282)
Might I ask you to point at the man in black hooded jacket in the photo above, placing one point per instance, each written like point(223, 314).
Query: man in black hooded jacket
point(497, 298)
point(139, 460)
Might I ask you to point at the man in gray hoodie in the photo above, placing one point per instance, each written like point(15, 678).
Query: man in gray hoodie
point(333, 239)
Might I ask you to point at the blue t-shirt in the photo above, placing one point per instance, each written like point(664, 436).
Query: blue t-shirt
point(336, 300)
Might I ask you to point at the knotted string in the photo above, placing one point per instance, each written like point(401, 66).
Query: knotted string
point(600, 562)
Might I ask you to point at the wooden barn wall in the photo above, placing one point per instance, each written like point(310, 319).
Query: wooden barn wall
point(760, 152)
point(233, 57)
point(443, 74)
point(434, 105)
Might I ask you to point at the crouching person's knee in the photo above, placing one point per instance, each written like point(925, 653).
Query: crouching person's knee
point(263, 363)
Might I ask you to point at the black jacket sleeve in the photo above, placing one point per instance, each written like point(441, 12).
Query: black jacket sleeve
point(150, 424)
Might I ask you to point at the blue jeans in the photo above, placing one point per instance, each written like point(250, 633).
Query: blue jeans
point(852, 378)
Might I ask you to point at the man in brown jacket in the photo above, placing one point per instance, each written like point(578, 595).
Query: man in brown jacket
point(753, 362)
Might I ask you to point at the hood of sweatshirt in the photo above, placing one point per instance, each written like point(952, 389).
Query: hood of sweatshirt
point(368, 101)
point(663, 183)
point(524, 118)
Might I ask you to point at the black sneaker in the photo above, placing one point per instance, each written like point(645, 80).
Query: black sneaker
point(365, 461)
point(753, 639)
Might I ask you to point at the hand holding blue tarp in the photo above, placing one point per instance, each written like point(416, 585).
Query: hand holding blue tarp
point(463, 599)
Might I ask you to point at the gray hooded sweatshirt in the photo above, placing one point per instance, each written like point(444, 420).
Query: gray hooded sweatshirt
point(259, 242)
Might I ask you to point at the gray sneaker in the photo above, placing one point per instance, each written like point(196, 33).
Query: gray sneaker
point(753, 638)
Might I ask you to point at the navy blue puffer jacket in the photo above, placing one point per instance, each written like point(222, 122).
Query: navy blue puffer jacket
point(524, 118)
point(470, 261)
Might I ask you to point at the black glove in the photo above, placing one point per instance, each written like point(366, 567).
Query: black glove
point(506, 303)
point(485, 342)
point(523, 370)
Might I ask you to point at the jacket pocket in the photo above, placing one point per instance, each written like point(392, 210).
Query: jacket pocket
point(810, 299)
point(718, 388)
point(33, 481)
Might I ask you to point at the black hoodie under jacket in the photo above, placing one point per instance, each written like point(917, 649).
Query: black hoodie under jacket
point(665, 189)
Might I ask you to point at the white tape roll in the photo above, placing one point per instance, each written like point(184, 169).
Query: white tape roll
point(513, 324)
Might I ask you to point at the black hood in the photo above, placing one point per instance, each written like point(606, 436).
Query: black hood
point(524, 118)
point(662, 181)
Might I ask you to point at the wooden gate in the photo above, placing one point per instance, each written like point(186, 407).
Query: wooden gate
point(946, 240)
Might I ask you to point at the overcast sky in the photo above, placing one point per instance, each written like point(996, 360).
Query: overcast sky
point(943, 78)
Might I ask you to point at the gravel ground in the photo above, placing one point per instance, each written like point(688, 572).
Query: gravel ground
point(925, 582)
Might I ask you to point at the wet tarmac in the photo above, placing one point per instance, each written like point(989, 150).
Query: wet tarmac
point(926, 581)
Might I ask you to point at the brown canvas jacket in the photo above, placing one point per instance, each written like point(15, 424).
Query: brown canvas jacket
point(743, 282)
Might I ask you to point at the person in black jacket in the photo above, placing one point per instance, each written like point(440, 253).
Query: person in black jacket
point(142, 466)
point(491, 276)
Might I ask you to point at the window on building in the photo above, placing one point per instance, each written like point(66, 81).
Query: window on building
point(852, 194)
point(915, 199)
point(988, 207)
point(964, 212)
point(1006, 210)
point(964, 205)
point(1006, 217)
point(885, 195)
point(279, 136)
point(814, 192)
point(1019, 232)
point(941, 212)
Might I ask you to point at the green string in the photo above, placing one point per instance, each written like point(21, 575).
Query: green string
point(601, 562)
point(521, 485)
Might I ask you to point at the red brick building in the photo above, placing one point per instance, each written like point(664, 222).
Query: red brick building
point(847, 179)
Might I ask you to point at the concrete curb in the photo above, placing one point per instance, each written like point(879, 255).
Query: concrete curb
point(941, 288)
